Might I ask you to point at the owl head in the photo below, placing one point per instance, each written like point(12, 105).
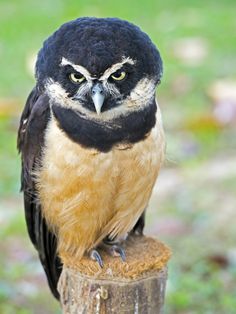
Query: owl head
point(99, 66)
point(100, 76)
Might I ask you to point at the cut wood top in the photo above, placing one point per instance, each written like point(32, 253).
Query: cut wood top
point(144, 255)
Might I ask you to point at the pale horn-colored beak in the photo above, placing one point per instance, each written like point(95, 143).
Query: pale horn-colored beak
point(98, 96)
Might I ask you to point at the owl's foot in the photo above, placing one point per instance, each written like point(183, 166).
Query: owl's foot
point(113, 248)
point(117, 250)
point(94, 255)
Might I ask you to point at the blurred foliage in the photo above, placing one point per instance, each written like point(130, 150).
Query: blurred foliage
point(196, 190)
point(9, 161)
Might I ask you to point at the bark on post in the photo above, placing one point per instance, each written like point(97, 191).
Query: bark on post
point(136, 286)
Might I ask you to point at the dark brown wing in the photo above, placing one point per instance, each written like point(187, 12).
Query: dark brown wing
point(30, 142)
point(139, 226)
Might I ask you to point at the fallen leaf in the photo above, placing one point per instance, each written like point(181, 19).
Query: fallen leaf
point(219, 260)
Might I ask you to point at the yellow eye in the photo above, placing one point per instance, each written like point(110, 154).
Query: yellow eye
point(76, 78)
point(118, 76)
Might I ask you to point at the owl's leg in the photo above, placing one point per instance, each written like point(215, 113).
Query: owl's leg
point(139, 226)
point(113, 247)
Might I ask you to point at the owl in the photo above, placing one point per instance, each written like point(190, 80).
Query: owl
point(91, 140)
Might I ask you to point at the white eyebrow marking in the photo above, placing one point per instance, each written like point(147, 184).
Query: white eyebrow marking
point(116, 67)
point(106, 74)
point(78, 68)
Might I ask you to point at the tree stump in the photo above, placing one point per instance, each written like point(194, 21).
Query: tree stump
point(136, 286)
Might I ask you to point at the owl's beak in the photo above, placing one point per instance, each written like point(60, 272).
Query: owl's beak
point(98, 96)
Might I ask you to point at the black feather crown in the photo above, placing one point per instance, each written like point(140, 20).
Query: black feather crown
point(96, 44)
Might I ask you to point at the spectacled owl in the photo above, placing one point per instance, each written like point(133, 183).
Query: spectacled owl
point(91, 140)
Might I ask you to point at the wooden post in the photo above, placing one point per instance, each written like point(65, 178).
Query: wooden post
point(136, 286)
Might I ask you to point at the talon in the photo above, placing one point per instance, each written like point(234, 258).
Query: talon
point(118, 251)
point(114, 249)
point(96, 257)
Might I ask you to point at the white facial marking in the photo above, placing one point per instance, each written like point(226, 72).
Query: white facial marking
point(83, 90)
point(56, 91)
point(78, 68)
point(115, 67)
point(143, 91)
point(111, 89)
point(140, 97)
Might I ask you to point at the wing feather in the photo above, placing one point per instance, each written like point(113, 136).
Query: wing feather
point(33, 124)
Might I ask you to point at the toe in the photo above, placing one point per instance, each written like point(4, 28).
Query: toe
point(96, 257)
point(117, 250)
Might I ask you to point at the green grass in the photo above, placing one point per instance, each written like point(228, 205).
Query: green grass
point(25, 24)
point(200, 290)
point(195, 285)
point(9, 159)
